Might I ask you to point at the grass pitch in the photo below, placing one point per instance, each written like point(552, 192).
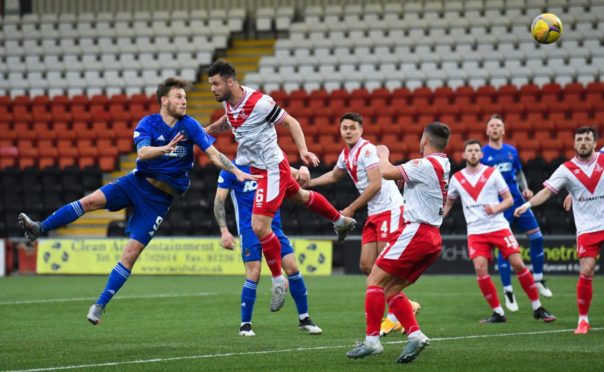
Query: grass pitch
point(192, 323)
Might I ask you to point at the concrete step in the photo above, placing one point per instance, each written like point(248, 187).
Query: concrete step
point(253, 43)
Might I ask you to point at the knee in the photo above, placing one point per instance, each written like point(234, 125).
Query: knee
point(253, 275)
point(290, 266)
point(365, 267)
point(91, 203)
point(260, 228)
point(301, 197)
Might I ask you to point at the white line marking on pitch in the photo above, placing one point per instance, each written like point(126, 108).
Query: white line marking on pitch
point(207, 356)
point(133, 297)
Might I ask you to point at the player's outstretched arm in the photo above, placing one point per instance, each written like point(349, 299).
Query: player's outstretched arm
point(388, 171)
point(226, 238)
point(374, 178)
point(148, 152)
point(333, 176)
point(218, 126)
point(296, 131)
point(539, 198)
point(222, 162)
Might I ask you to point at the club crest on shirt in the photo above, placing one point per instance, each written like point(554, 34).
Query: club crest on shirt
point(243, 115)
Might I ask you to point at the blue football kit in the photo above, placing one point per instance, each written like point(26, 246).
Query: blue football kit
point(242, 196)
point(133, 190)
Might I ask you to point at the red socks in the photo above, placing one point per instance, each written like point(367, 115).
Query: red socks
point(488, 290)
point(584, 292)
point(271, 247)
point(374, 309)
point(318, 204)
point(528, 284)
point(400, 306)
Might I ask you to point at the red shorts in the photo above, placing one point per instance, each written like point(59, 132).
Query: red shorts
point(589, 244)
point(275, 185)
point(483, 244)
point(379, 227)
point(411, 251)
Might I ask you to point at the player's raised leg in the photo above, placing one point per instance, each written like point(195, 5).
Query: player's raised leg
point(62, 216)
point(319, 204)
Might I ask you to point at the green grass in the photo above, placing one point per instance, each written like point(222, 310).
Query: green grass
point(189, 331)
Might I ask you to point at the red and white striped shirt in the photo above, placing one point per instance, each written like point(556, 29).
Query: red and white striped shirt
point(253, 121)
point(357, 161)
point(426, 182)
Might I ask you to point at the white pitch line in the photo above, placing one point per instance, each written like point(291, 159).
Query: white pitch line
point(76, 299)
point(222, 355)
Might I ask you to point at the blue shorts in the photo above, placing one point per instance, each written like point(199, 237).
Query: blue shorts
point(525, 222)
point(150, 204)
point(251, 250)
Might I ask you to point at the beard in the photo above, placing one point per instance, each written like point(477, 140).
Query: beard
point(473, 163)
point(584, 153)
point(173, 111)
point(226, 97)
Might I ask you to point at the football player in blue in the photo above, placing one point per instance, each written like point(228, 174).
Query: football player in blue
point(164, 143)
point(242, 195)
point(505, 158)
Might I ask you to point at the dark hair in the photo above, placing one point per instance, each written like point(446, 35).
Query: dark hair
point(438, 134)
point(352, 116)
point(471, 142)
point(222, 68)
point(583, 130)
point(166, 86)
point(495, 116)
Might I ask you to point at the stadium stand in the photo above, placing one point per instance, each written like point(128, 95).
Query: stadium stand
point(73, 86)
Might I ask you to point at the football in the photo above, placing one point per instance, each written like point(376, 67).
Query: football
point(546, 28)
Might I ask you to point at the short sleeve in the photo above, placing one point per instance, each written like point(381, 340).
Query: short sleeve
point(142, 134)
point(557, 181)
point(225, 180)
point(199, 135)
point(340, 164)
point(500, 185)
point(453, 192)
point(414, 170)
point(368, 157)
point(273, 112)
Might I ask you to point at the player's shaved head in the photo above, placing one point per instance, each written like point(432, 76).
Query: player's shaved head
point(437, 134)
point(164, 88)
point(222, 68)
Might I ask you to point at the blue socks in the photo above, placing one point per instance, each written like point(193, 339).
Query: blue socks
point(62, 216)
point(248, 298)
point(505, 272)
point(117, 278)
point(297, 289)
point(537, 256)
